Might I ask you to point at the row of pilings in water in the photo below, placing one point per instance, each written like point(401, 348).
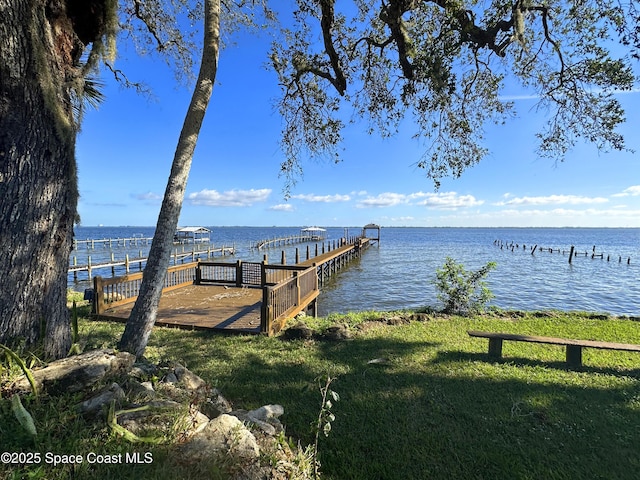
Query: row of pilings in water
point(572, 252)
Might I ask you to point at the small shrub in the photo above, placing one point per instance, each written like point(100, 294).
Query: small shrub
point(463, 292)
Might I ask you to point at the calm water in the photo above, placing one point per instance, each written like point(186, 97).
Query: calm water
point(399, 273)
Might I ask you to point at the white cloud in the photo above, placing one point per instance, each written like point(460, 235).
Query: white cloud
point(150, 197)
point(446, 200)
point(633, 191)
point(230, 198)
point(310, 197)
point(401, 220)
point(440, 200)
point(553, 200)
point(282, 207)
point(387, 199)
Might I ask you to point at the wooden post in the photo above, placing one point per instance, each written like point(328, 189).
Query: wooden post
point(198, 280)
point(308, 252)
point(534, 249)
point(239, 273)
point(265, 311)
point(97, 296)
point(495, 347)
point(263, 272)
point(283, 260)
point(571, 253)
point(297, 256)
point(89, 266)
point(314, 308)
point(574, 355)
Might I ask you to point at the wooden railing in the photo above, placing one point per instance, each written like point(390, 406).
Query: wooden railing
point(240, 274)
point(287, 298)
point(112, 292)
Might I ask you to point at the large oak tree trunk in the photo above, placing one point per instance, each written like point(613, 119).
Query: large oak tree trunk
point(143, 315)
point(38, 187)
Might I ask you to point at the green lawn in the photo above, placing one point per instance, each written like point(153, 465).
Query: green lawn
point(437, 407)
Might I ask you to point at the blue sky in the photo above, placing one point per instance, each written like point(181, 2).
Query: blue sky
point(125, 150)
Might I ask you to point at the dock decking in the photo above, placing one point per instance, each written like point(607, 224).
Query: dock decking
point(204, 307)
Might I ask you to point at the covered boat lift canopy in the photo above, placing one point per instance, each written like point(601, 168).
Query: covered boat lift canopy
point(371, 226)
point(192, 235)
point(316, 233)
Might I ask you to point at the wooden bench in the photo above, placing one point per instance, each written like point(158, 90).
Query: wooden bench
point(574, 347)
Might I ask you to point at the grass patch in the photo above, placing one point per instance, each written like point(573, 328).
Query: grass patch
point(436, 407)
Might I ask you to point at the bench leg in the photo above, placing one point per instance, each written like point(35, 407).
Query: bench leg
point(495, 347)
point(574, 355)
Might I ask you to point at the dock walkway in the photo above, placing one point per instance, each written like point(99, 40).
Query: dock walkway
point(176, 256)
point(308, 235)
point(246, 297)
point(204, 307)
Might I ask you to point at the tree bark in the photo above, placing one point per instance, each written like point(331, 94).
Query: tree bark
point(38, 185)
point(143, 315)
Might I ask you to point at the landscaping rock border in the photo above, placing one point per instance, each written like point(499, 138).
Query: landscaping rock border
point(180, 407)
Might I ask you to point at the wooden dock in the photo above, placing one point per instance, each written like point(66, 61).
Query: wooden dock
point(231, 297)
point(204, 307)
point(90, 243)
point(288, 240)
point(127, 262)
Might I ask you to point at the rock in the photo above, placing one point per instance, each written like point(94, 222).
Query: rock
point(150, 408)
point(76, 373)
point(139, 392)
point(299, 331)
point(154, 416)
point(421, 317)
point(265, 417)
point(396, 320)
point(143, 370)
point(104, 398)
point(160, 421)
point(190, 380)
point(223, 436)
point(337, 332)
point(193, 423)
point(215, 405)
point(170, 378)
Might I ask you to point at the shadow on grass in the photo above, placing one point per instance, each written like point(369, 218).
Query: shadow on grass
point(429, 413)
point(457, 356)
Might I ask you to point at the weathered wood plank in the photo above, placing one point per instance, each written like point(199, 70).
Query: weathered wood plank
point(557, 341)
